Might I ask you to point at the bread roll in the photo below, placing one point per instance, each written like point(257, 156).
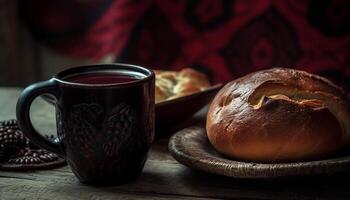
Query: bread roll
point(173, 84)
point(279, 115)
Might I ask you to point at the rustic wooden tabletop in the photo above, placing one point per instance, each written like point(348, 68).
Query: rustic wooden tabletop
point(162, 177)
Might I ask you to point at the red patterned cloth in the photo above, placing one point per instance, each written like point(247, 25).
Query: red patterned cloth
point(223, 38)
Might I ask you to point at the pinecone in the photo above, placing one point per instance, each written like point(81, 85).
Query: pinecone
point(2, 153)
point(18, 153)
point(33, 156)
point(11, 137)
point(11, 124)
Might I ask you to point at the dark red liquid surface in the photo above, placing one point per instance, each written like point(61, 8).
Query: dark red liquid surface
point(101, 78)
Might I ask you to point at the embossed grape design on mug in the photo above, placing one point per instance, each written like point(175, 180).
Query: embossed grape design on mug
point(105, 120)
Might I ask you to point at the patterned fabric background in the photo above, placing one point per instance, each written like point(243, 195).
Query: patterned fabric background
point(223, 38)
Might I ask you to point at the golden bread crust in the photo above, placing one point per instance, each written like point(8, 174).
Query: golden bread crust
point(279, 115)
point(172, 84)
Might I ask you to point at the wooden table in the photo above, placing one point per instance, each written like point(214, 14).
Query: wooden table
point(162, 177)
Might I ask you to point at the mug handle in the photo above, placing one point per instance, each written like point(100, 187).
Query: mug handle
point(24, 103)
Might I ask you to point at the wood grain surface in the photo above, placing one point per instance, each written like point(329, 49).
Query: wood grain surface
point(162, 177)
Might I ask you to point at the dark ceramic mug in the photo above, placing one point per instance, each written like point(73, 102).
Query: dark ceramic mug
point(104, 116)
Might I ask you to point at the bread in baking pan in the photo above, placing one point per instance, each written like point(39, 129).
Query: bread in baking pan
point(279, 115)
point(173, 84)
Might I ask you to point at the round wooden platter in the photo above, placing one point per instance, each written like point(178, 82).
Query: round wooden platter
point(191, 147)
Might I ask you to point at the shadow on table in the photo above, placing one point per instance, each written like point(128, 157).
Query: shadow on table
point(320, 187)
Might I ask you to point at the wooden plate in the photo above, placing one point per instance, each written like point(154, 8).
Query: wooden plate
point(191, 147)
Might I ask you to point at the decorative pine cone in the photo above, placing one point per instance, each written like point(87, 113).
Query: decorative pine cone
point(11, 137)
point(11, 124)
point(33, 156)
point(18, 153)
point(2, 153)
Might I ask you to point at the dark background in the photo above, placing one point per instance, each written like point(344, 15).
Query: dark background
point(223, 38)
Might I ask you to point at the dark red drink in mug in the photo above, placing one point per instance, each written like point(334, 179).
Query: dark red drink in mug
point(105, 120)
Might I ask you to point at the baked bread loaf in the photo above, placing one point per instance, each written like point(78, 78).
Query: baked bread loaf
point(279, 115)
point(172, 84)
